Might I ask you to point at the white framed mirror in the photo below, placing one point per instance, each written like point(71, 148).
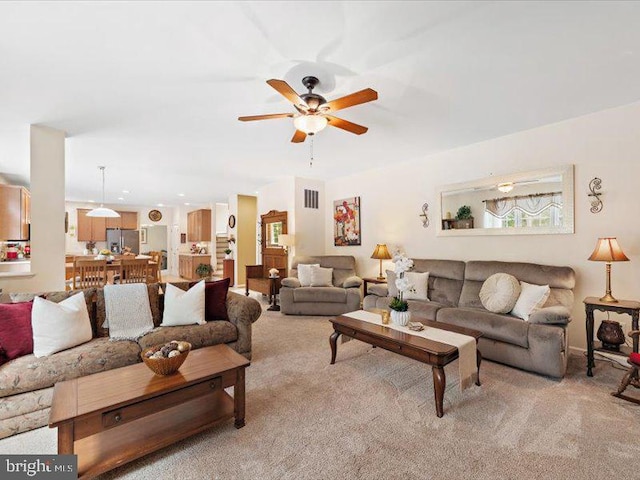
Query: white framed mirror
point(537, 202)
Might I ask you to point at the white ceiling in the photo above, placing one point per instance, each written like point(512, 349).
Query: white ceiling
point(153, 90)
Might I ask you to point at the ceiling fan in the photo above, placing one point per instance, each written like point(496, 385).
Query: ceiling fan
point(314, 112)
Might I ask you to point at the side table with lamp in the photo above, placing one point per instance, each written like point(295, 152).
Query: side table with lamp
point(381, 252)
point(610, 332)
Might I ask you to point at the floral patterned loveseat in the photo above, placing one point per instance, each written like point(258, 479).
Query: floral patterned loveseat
point(26, 383)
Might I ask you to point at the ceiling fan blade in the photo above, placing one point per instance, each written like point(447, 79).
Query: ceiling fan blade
point(264, 117)
point(284, 89)
point(299, 137)
point(363, 96)
point(345, 125)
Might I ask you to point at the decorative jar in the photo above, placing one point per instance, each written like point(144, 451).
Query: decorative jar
point(400, 318)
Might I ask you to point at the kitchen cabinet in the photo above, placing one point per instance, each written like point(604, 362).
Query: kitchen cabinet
point(199, 225)
point(15, 215)
point(187, 265)
point(129, 220)
point(126, 221)
point(91, 229)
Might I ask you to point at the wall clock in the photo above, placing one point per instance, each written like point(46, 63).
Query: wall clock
point(232, 221)
point(155, 215)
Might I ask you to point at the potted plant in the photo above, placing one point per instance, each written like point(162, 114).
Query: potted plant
point(464, 218)
point(464, 213)
point(400, 314)
point(204, 270)
point(227, 253)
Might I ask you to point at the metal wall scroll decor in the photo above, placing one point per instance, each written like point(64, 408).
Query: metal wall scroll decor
point(596, 203)
point(425, 214)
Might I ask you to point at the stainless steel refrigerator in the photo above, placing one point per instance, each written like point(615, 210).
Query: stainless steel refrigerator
point(117, 239)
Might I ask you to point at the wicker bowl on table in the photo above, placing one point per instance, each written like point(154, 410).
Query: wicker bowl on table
point(165, 365)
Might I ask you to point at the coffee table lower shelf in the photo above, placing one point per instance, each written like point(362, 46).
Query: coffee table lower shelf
point(111, 448)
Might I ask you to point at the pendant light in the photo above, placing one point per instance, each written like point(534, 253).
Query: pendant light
point(102, 211)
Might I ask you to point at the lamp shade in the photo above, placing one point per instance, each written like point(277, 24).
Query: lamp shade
point(286, 240)
point(103, 212)
point(310, 124)
point(381, 252)
point(608, 250)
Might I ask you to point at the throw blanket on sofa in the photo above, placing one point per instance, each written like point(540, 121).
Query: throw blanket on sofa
point(128, 311)
point(467, 366)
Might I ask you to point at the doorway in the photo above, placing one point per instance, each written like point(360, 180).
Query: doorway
point(156, 238)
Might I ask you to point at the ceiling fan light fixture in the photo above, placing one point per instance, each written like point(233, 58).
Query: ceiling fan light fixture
point(310, 124)
point(505, 187)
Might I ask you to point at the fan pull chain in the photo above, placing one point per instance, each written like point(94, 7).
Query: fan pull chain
point(311, 160)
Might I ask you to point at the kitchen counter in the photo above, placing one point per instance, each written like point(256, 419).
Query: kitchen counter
point(14, 266)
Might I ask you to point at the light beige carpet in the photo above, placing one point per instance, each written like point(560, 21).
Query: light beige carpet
point(372, 416)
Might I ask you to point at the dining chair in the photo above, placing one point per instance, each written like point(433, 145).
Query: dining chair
point(157, 258)
point(134, 271)
point(89, 273)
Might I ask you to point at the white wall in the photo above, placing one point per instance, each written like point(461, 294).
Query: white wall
point(309, 222)
point(306, 224)
point(278, 196)
point(222, 217)
point(604, 144)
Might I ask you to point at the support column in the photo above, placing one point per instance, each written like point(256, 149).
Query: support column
point(47, 209)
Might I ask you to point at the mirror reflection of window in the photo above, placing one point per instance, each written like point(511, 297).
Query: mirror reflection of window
point(273, 233)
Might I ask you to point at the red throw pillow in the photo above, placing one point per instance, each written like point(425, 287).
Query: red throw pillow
point(215, 300)
point(16, 336)
point(635, 358)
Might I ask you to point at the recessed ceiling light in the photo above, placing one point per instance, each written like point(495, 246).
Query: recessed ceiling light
point(92, 201)
point(181, 194)
point(161, 204)
point(120, 198)
point(126, 191)
point(187, 203)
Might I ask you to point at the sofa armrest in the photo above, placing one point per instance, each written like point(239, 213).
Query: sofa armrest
point(351, 282)
point(379, 290)
point(556, 315)
point(290, 282)
point(242, 312)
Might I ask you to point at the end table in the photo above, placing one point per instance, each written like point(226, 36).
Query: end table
point(274, 288)
point(591, 304)
point(374, 280)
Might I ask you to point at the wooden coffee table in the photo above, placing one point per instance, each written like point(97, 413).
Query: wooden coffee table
point(427, 351)
point(113, 417)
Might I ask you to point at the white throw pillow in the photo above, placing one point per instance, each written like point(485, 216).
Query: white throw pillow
point(420, 282)
point(532, 297)
point(321, 277)
point(304, 273)
point(58, 326)
point(500, 292)
point(183, 308)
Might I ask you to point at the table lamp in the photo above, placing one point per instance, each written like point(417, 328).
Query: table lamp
point(608, 250)
point(381, 253)
point(286, 241)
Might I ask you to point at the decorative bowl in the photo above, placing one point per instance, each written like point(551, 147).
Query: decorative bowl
point(165, 365)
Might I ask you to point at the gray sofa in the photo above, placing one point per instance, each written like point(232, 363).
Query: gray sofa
point(344, 296)
point(26, 383)
point(453, 290)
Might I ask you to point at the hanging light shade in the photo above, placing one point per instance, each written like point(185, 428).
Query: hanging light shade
point(103, 211)
point(310, 124)
point(505, 187)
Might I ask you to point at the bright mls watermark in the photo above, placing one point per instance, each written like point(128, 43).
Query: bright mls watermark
point(36, 467)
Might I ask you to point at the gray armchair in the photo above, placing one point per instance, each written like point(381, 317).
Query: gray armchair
point(344, 296)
